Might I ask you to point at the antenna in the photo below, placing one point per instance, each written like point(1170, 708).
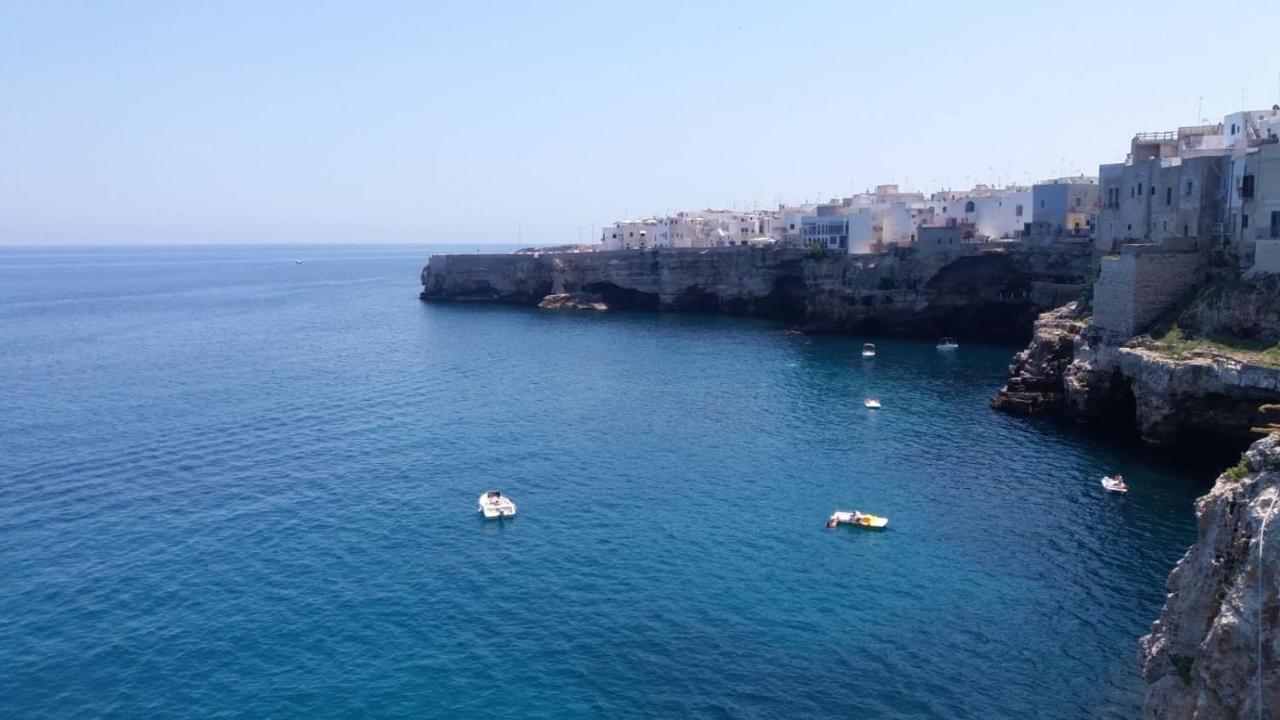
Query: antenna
point(1199, 109)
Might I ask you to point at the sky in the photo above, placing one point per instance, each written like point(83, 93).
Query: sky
point(490, 122)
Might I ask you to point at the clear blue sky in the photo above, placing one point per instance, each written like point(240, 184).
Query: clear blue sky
point(388, 122)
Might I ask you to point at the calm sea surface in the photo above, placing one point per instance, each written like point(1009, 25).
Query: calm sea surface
point(231, 485)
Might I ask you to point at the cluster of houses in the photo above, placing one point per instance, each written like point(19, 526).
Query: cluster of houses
point(878, 219)
point(1215, 185)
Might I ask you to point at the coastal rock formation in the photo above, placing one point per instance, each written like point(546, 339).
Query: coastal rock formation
point(979, 292)
point(1202, 372)
point(572, 301)
point(1035, 377)
point(1215, 651)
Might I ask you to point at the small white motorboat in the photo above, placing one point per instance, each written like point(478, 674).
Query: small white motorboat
point(869, 350)
point(297, 262)
point(948, 343)
point(1115, 484)
point(494, 504)
point(854, 517)
point(873, 403)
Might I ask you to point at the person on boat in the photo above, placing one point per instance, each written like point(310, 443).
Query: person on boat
point(1120, 482)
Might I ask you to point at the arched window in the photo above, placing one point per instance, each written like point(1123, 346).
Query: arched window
point(968, 206)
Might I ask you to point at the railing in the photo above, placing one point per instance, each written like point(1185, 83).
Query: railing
point(1156, 136)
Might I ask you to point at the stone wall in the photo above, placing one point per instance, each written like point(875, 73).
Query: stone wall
point(1140, 284)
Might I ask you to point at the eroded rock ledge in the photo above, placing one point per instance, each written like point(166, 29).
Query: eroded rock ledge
point(1214, 651)
point(978, 292)
point(1035, 377)
point(1202, 373)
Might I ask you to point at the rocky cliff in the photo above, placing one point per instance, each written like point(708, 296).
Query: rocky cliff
point(981, 291)
point(1202, 372)
point(1035, 377)
point(1215, 651)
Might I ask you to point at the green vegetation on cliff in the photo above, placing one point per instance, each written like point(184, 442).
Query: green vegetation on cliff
point(1235, 318)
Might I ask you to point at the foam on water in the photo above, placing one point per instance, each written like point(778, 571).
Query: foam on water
point(230, 484)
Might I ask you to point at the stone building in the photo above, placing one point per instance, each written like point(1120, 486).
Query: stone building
point(1065, 206)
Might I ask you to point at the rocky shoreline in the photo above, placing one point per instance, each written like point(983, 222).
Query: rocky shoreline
point(986, 291)
point(1200, 376)
point(1163, 392)
point(1212, 653)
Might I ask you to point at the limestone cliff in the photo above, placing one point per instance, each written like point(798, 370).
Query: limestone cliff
point(982, 291)
point(1215, 651)
point(1203, 371)
point(1035, 377)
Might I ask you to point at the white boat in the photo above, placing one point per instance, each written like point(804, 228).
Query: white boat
point(496, 505)
point(297, 262)
point(873, 403)
point(869, 350)
point(853, 517)
point(1115, 484)
point(948, 343)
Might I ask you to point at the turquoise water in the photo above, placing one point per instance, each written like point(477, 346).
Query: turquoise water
point(233, 485)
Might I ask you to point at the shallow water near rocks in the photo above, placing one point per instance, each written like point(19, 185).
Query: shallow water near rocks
point(231, 484)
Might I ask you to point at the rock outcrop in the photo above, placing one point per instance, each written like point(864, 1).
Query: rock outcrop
point(1215, 651)
point(1035, 377)
point(979, 292)
point(1195, 375)
point(572, 301)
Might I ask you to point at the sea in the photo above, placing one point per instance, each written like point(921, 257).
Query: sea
point(236, 485)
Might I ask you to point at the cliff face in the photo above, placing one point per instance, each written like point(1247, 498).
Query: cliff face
point(1202, 373)
point(1035, 377)
point(977, 292)
point(1215, 651)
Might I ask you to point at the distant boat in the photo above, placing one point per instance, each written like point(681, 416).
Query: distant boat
point(1115, 484)
point(847, 517)
point(494, 504)
point(873, 403)
point(948, 343)
point(297, 262)
point(869, 350)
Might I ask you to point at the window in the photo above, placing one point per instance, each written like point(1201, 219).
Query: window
point(1041, 204)
point(1186, 231)
point(1130, 229)
point(1168, 195)
point(1017, 211)
point(1079, 201)
point(1275, 223)
point(1244, 222)
point(1164, 225)
point(1139, 188)
point(1188, 187)
point(968, 206)
point(1246, 187)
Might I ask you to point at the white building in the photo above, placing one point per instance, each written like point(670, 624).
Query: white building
point(989, 213)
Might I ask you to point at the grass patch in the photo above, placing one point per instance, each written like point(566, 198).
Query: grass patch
point(1171, 340)
point(1177, 336)
point(1237, 472)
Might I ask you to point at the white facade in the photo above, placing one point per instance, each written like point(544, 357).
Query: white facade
point(994, 213)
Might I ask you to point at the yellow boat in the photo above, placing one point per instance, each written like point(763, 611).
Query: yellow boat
point(854, 517)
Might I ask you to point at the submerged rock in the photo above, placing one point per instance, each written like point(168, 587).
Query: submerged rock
point(573, 301)
point(1214, 651)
